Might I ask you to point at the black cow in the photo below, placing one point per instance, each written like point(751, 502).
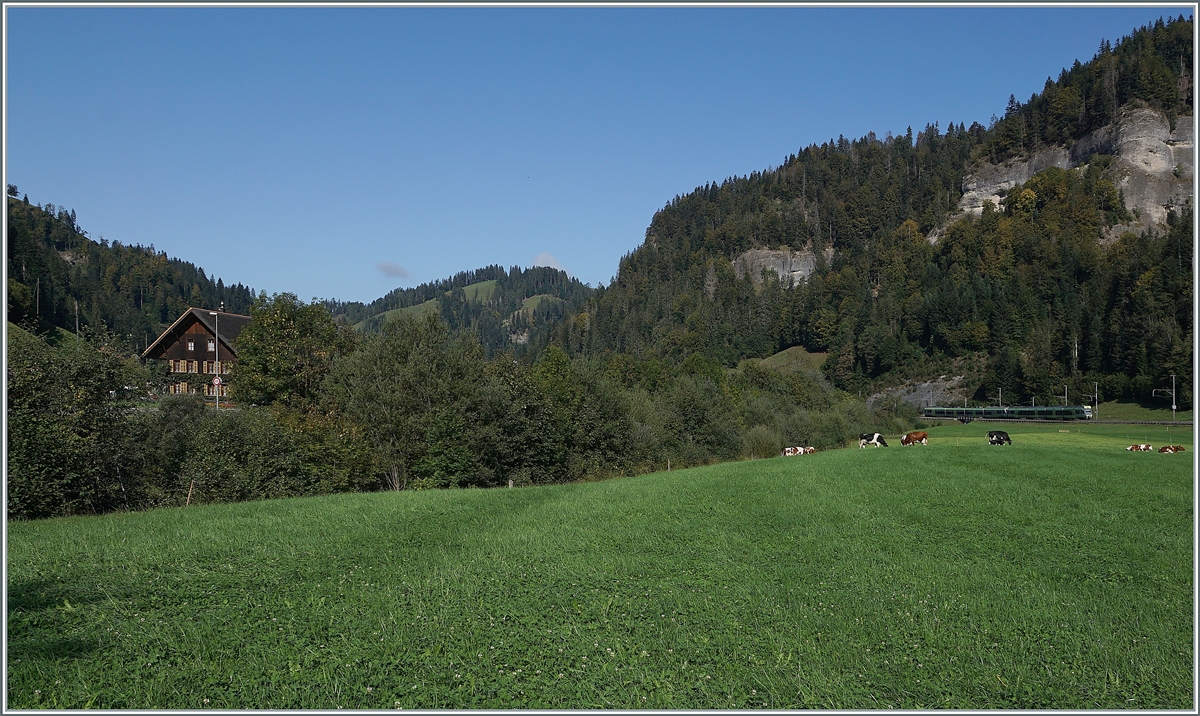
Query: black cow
point(871, 439)
point(998, 437)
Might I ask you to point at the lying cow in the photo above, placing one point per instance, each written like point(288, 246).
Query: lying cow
point(1178, 448)
point(1141, 447)
point(916, 436)
point(1167, 448)
point(788, 452)
point(998, 437)
point(871, 439)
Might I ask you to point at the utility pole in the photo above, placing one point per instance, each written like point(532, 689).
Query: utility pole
point(1095, 398)
point(217, 358)
point(1064, 396)
point(1170, 392)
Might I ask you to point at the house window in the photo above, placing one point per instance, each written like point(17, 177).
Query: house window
point(212, 345)
point(191, 345)
point(192, 367)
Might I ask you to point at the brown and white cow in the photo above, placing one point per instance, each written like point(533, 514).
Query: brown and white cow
point(916, 436)
point(1167, 448)
point(1178, 448)
point(1141, 447)
point(790, 451)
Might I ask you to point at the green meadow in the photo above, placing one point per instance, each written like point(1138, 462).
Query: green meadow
point(1052, 573)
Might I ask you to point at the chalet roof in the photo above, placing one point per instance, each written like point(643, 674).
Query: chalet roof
point(231, 325)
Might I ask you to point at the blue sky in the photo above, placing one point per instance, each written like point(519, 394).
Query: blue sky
point(342, 152)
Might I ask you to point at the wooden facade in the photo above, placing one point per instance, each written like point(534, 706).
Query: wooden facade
point(199, 342)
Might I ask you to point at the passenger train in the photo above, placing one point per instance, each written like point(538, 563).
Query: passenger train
point(1069, 412)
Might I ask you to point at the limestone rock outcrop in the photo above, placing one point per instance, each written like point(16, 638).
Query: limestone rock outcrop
point(1153, 167)
point(786, 264)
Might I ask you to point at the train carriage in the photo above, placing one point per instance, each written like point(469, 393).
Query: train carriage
point(1052, 412)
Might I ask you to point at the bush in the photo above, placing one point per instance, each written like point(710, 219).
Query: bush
point(65, 427)
point(761, 441)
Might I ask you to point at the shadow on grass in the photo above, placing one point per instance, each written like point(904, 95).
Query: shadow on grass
point(37, 611)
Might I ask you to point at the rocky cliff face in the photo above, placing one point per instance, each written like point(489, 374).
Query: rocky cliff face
point(1153, 168)
point(794, 265)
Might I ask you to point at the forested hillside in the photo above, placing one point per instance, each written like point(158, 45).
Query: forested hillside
point(1153, 65)
point(1029, 290)
point(56, 273)
point(506, 310)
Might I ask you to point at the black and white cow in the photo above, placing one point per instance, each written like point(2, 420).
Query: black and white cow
point(871, 439)
point(998, 437)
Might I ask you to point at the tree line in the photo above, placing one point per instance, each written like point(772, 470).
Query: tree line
point(323, 408)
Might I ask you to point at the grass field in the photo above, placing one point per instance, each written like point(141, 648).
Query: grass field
point(1126, 410)
point(1052, 573)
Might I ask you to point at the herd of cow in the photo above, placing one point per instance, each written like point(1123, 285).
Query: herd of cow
point(1144, 447)
point(995, 437)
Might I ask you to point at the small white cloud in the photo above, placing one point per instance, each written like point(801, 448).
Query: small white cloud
point(390, 269)
point(547, 259)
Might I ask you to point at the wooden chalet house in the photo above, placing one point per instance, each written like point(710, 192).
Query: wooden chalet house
point(199, 343)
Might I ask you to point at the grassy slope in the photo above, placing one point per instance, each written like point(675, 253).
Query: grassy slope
point(481, 291)
point(433, 305)
point(475, 292)
point(533, 302)
point(791, 359)
point(1055, 572)
point(1140, 411)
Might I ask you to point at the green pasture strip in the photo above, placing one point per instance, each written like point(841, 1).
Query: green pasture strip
point(1100, 435)
point(1044, 574)
point(1124, 410)
point(533, 302)
point(481, 291)
point(375, 322)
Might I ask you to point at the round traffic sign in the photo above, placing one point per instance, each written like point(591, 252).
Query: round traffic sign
point(217, 380)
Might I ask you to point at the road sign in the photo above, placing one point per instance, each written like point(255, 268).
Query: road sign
point(217, 380)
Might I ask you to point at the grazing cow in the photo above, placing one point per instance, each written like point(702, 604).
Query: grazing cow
point(1167, 448)
point(871, 439)
point(917, 436)
point(1140, 447)
point(998, 437)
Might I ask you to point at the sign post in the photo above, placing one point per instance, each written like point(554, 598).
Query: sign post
point(217, 355)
